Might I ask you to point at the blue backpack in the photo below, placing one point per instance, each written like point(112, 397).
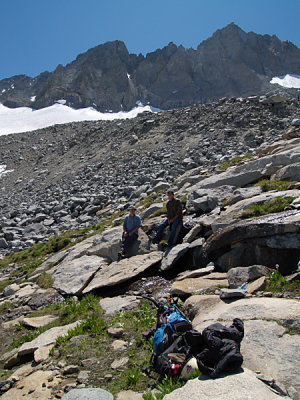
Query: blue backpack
point(176, 323)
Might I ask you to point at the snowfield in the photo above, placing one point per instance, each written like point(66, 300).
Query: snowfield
point(287, 81)
point(24, 119)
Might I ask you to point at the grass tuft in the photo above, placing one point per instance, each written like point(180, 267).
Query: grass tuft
point(229, 163)
point(267, 185)
point(45, 281)
point(273, 206)
point(277, 283)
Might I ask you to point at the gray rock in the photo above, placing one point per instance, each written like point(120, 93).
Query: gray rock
point(232, 293)
point(161, 186)
point(111, 305)
point(242, 175)
point(172, 255)
point(10, 289)
point(71, 277)
point(192, 234)
point(253, 242)
point(289, 172)
point(240, 386)
point(296, 122)
point(151, 210)
point(190, 286)
point(107, 244)
point(266, 323)
point(206, 200)
point(121, 362)
point(38, 322)
point(195, 273)
point(46, 338)
point(3, 244)
point(232, 213)
point(293, 277)
point(237, 276)
point(88, 394)
point(120, 272)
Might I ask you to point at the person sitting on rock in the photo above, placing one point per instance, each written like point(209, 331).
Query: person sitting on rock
point(131, 225)
point(174, 218)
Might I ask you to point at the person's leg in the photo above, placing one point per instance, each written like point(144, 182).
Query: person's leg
point(173, 231)
point(128, 242)
point(160, 230)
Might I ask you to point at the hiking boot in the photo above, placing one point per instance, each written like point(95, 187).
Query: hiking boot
point(121, 255)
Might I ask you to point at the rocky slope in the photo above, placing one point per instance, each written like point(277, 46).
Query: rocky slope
point(107, 77)
point(65, 177)
point(241, 224)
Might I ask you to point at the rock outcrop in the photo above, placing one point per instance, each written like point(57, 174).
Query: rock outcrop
point(267, 325)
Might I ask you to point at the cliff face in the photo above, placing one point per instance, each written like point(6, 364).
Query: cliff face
point(107, 77)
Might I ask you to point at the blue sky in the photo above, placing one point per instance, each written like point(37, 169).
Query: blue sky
point(37, 35)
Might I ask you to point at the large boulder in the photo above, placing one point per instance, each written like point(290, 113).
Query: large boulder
point(240, 386)
point(268, 345)
point(121, 271)
point(206, 200)
point(174, 255)
point(111, 305)
point(237, 276)
point(46, 338)
point(235, 211)
point(71, 277)
point(188, 286)
point(289, 172)
point(108, 244)
point(267, 240)
point(252, 171)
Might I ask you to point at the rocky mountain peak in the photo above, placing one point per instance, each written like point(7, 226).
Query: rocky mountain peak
point(230, 63)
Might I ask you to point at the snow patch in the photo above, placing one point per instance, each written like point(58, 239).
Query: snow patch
point(61, 101)
point(3, 170)
point(287, 81)
point(24, 119)
point(3, 90)
point(32, 98)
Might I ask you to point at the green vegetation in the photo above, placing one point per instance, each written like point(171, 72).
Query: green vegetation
point(95, 342)
point(3, 284)
point(277, 283)
point(161, 211)
point(267, 185)
point(45, 281)
point(226, 164)
point(6, 306)
point(167, 386)
point(183, 199)
point(150, 199)
point(273, 206)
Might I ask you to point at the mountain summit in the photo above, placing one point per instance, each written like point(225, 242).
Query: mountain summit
point(230, 63)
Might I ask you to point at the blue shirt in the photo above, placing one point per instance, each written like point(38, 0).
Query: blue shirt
point(130, 223)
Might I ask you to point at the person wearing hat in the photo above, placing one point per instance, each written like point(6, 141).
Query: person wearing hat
point(174, 217)
point(131, 225)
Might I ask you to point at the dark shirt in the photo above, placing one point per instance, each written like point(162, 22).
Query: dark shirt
point(174, 207)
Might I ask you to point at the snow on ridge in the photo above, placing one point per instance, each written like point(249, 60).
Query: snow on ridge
point(291, 81)
point(24, 119)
